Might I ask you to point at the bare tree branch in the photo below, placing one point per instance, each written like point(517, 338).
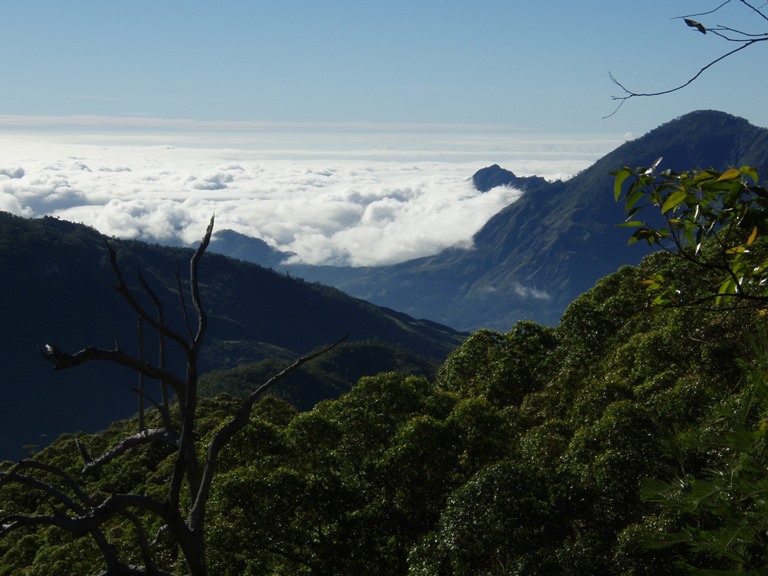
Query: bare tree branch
point(187, 466)
point(126, 293)
point(183, 519)
point(629, 94)
point(57, 518)
point(756, 10)
point(140, 394)
point(163, 411)
point(707, 13)
point(237, 423)
point(148, 436)
point(86, 520)
point(730, 34)
point(183, 303)
point(62, 361)
point(202, 319)
point(164, 408)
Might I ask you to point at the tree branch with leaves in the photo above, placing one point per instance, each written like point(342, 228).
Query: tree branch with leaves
point(716, 221)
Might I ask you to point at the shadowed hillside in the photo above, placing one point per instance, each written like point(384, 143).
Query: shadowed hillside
point(57, 288)
point(534, 257)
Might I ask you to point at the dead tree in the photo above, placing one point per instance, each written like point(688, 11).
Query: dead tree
point(182, 511)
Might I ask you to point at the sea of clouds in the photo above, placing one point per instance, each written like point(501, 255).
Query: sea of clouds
point(330, 196)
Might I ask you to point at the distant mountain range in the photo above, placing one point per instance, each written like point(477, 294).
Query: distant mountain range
point(56, 288)
point(528, 262)
point(535, 256)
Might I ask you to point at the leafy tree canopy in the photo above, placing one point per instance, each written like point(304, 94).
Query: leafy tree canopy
point(531, 452)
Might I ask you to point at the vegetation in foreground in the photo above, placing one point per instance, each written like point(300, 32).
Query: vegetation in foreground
point(526, 454)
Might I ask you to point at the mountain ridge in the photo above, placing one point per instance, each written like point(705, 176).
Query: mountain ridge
point(532, 258)
point(58, 289)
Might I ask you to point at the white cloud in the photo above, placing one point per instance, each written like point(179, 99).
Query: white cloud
point(16, 172)
point(529, 292)
point(339, 200)
point(9, 203)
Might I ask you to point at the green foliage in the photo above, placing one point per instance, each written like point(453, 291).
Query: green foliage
point(530, 452)
point(719, 494)
point(325, 378)
point(709, 218)
point(711, 509)
point(500, 522)
point(500, 367)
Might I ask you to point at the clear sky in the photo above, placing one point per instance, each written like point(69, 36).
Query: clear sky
point(534, 65)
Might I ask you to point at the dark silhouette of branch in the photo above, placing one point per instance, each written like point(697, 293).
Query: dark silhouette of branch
point(187, 467)
point(729, 34)
point(85, 516)
point(164, 408)
point(62, 361)
point(708, 12)
point(148, 436)
point(16, 475)
point(182, 519)
point(183, 303)
point(123, 289)
point(629, 94)
point(87, 520)
point(80, 511)
point(237, 423)
point(140, 393)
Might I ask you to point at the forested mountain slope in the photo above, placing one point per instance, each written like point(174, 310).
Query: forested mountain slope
point(535, 256)
point(57, 288)
point(527, 454)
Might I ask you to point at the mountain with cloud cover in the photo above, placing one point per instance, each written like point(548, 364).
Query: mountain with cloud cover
point(536, 255)
point(57, 288)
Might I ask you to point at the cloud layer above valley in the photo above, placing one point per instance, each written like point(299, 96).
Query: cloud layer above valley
point(356, 202)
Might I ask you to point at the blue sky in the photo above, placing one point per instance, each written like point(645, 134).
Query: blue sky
point(540, 66)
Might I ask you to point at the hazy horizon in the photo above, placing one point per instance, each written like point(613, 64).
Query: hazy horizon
point(342, 131)
point(331, 193)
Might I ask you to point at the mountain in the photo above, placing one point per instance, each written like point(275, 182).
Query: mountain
point(326, 377)
point(243, 247)
point(57, 288)
point(535, 256)
point(493, 176)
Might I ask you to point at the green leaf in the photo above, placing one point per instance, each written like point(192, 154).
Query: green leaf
point(632, 224)
point(749, 171)
point(727, 288)
point(729, 175)
point(703, 176)
point(631, 213)
point(661, 300)
point(646, 234)
point(634, 194)
point(673, 201)
point(621, 175)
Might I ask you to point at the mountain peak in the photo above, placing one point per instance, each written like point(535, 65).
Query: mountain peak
point(532, 258)
point(698, 140)
point(247, 248)
point(493, 176)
